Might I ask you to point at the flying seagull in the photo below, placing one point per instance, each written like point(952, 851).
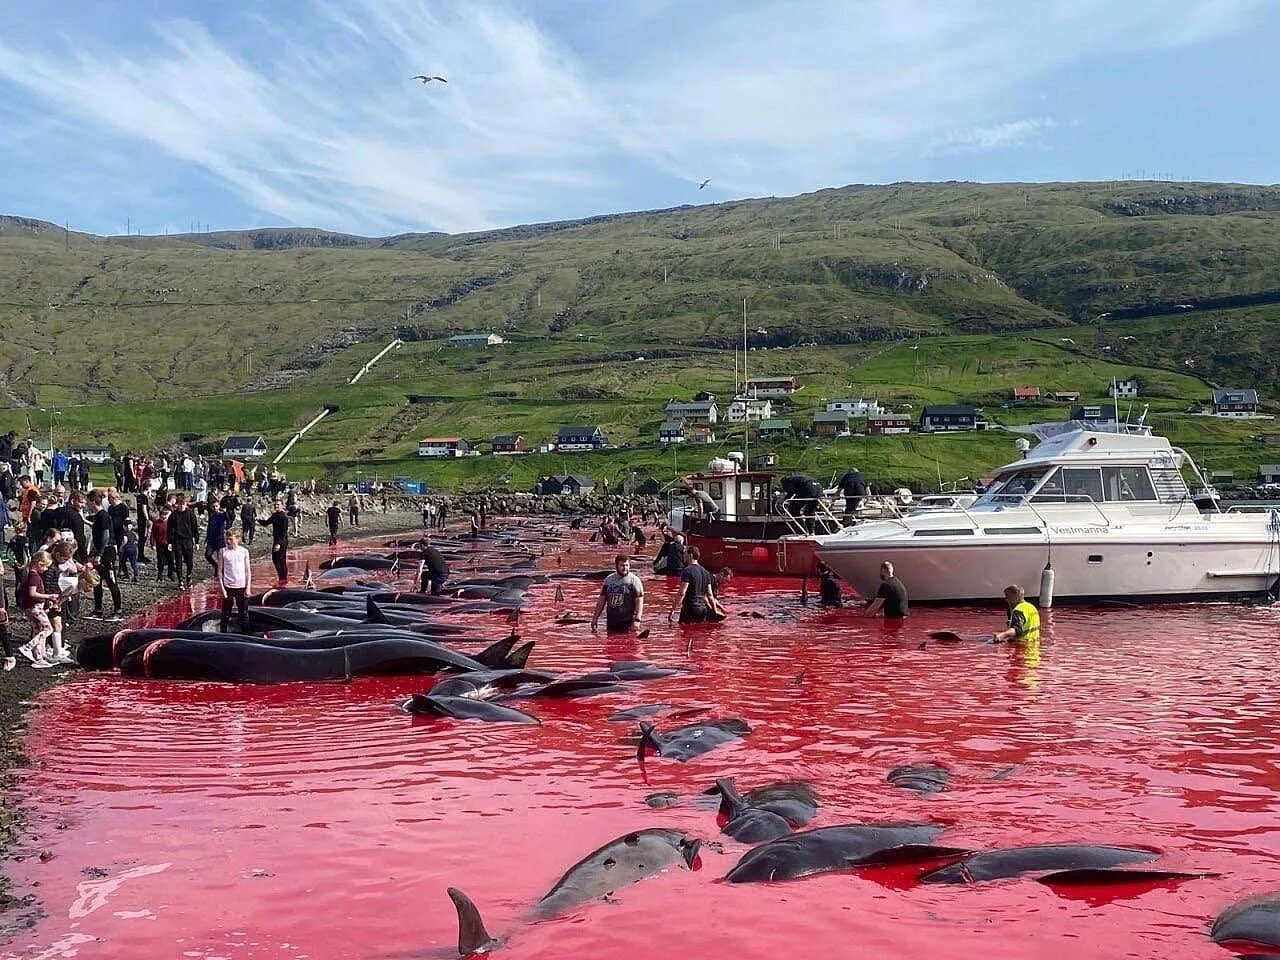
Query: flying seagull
point(425, 79)
point(704, 183)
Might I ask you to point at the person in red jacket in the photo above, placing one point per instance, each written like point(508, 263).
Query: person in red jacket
point(164, 552)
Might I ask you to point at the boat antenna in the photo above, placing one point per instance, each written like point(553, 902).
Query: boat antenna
point(1115, 399)
point(746, 403)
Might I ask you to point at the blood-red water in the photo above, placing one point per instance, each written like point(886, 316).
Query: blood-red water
point(316, 821)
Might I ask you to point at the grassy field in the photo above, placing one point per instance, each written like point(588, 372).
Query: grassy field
point(913, 293)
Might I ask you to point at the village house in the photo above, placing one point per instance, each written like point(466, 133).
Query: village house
point(750, 409)
point(770, 386)
point(1269, 473)
point(1067, 396)
point(775, 428)
point(671, 431)
point(576, 484)
point(244, 447)
point(692, 411)
point(854, 407)
point(445, 447)
point(574, 438)
point(1026, 393)
point(830, 423)
point(508, 444)
point(698, 433)
point(949, 418)
point(1123, 389)
point(475, 340)
point(704, 395)
point(886, 424)
point(1235, 403)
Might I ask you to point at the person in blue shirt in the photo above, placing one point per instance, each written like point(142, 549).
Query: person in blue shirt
point(215, 537)
point(59, 467)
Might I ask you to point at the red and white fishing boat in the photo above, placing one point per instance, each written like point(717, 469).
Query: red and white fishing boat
point(749, 535)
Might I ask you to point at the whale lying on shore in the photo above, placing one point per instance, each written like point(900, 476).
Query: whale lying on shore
point(464, 708)
point(764, 813)
point(234, 661)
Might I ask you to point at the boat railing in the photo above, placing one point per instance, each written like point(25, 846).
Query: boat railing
point(823, 518)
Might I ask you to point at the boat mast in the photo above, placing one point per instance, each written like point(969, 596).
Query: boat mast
point(746, 404)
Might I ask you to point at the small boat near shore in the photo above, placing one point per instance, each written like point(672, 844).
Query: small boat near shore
point(1109, 513)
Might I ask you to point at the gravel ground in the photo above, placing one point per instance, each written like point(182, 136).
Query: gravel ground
point(20, 687)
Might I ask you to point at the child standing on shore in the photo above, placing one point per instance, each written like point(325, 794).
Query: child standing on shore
point(34, 601)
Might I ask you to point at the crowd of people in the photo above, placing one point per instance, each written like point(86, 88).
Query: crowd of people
point(71, 544)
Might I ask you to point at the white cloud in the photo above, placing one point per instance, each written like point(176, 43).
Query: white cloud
point(763, 97)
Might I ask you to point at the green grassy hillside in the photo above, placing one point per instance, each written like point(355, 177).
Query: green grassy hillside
point(915, 293)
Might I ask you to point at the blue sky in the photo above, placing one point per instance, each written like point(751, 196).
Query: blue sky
point(164, 113)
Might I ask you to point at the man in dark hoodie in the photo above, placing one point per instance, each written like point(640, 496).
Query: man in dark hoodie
point(105, 555)
point(248, 520)
point(184, 530)
point(215, 537)
point(279, 524)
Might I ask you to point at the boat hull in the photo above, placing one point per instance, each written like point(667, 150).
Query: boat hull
point(789, 557)
point(1166, 569)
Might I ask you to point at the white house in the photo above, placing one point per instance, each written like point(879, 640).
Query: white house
point(248, 447)
point(1123, 389)
point(855, 407)
point(475, 340)
point(750, 409)
point(693, 411)
point(770, 386)
point(445, 447)
point(93, 454)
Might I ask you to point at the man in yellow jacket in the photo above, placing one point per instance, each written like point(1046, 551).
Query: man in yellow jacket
point(1024, 618)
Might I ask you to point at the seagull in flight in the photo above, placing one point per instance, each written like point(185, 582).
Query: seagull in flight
point(425, 79)
point(704, 183)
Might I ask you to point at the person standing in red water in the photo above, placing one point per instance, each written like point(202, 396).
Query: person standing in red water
point(235, 579)
point(279, 524)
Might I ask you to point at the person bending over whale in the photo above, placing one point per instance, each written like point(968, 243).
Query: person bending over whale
point(891, 598)
point(1024, 619)
point(435, 569)
point(695, 601)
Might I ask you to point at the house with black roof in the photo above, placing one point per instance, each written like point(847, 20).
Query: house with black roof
point(571, 438)
point(949, 418)
point(1235, 403)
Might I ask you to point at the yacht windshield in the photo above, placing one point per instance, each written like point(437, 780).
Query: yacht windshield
point(1013, 487)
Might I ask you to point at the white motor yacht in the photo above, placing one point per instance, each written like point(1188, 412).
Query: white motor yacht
point(1108, 512)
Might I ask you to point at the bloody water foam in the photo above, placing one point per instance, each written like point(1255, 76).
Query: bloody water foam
point(316, 821)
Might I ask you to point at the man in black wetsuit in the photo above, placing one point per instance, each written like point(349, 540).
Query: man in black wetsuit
point(802, 494)
point(828, 587)
point(695, 600)
point(279, 524)
point(435, 569)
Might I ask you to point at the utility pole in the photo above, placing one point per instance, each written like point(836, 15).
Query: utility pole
point(66, 235)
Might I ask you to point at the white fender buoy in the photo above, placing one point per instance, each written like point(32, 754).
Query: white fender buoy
point(1046, 587)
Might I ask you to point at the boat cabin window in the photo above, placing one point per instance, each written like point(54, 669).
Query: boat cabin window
point(1125, 484)
point(1071, 485)
point(716, 489)
point(1012, 487)
point(753, 499)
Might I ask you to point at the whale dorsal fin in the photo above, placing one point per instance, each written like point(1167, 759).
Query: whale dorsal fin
point(473, 938)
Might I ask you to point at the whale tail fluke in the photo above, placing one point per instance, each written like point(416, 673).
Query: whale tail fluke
point(473, 938)
point(519, 657)
point(731, 802)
